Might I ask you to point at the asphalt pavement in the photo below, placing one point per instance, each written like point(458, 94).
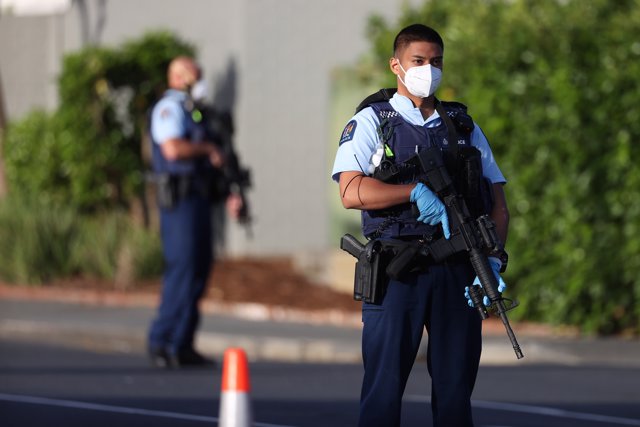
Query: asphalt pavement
point(269, 334)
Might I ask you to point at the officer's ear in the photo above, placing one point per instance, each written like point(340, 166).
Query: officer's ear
point(394, 65)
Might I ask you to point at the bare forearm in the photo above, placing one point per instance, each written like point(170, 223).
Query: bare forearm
point(500, 212)
point(181, 149)
point(358, 191)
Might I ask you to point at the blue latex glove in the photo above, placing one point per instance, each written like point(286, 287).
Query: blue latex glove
point(432, 210)
point(495, 266)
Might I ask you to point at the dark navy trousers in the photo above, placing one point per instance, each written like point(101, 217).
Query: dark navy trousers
point(186, 243)
point(391, 336)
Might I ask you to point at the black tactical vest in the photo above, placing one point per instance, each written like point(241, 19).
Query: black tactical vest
point(401, 141)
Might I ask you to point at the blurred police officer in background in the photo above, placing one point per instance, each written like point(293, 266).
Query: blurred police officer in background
point(185, 160)
point(392, 126)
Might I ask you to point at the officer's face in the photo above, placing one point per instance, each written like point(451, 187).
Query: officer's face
point(415, 54)
point(191, 74)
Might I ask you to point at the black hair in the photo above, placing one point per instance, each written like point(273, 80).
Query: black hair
point(416, 32)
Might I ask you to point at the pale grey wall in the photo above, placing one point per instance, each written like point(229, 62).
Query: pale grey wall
point(30, 62)
point(291, 48)
point(280, 53)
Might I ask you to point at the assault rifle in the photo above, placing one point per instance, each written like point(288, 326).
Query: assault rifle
point(235, 177)
point(474, 236)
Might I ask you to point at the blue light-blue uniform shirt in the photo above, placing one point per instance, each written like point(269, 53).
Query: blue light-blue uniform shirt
point(359, 140)
point(168, 119)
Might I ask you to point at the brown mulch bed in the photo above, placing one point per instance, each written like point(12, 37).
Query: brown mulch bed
point(274, 282)
point(267, 281)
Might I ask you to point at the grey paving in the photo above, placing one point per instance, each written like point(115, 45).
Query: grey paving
point(123, 328)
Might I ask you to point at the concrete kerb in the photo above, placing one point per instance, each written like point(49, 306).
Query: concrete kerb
point(540, 344)
point(264, 348)
point(123, 338)
point(496, 351)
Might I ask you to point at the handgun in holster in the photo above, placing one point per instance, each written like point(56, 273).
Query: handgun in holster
point(370, 276)
point(171, 189)
point(166, 190)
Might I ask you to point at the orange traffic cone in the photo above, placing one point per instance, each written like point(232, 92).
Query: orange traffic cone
point(235, 406)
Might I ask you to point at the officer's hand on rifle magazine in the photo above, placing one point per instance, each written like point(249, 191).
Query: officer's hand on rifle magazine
point(216, 157)
point(495, 266)
point(432, 210)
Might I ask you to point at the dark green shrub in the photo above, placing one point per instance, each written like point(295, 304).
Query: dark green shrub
point(88, 153)
point(81, 167)
point(41, 241)
point(35, 240)
point(111, 244)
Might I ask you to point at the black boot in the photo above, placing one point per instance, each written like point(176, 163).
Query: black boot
point(160, 358)
point(188, 357)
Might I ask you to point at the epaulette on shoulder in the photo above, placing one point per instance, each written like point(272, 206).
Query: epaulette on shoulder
point(457, 111)
point(379, 96)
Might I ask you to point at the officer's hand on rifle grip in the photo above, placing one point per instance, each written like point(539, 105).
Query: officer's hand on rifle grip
point(432, 210)
point(495, 266)
point(215, 156)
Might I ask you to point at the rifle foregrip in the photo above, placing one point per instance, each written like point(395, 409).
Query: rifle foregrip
point(350, 244)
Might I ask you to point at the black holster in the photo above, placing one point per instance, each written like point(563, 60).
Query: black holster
point(370, 279)
point(171, 189)
point(166, 190)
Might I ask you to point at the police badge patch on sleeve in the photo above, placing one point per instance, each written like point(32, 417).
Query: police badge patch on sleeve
point(165, 113)
point(348, 132)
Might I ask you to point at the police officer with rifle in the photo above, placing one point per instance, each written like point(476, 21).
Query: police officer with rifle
point(435, 217)
point(190, 170)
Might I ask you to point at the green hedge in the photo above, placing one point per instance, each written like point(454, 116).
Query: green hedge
point(554, 85)
point(82, 168)
point(88, 152)
point(42, 241)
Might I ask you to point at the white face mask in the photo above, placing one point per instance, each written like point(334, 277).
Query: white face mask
point(199, 90)
point(421, 81)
